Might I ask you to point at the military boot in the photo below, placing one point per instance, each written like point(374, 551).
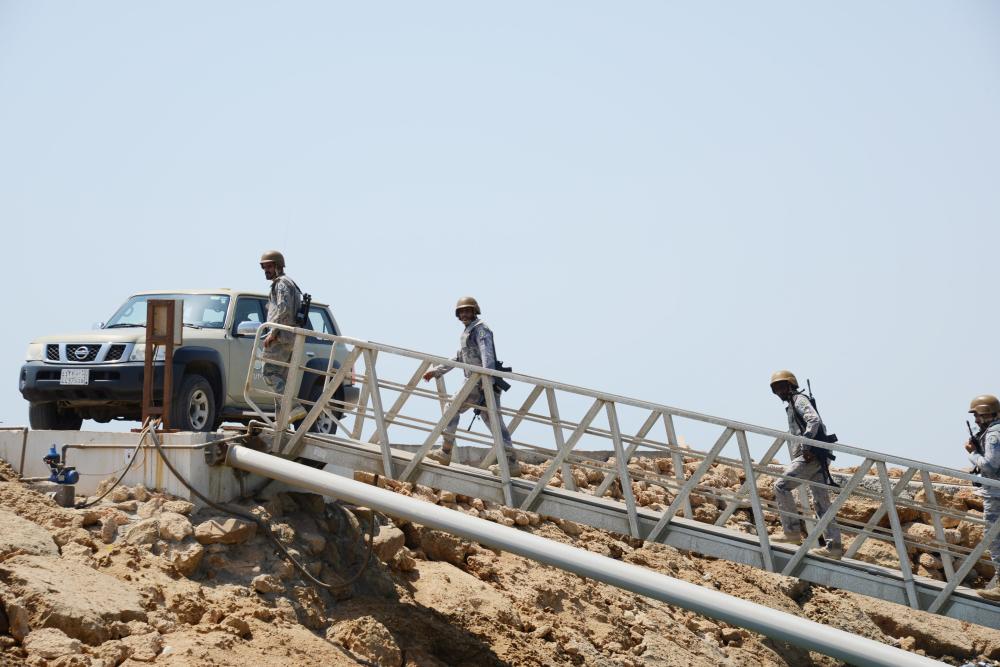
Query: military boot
point(992, 590)
point(512, 465)
point(786, 538)
point(440, 455)
point(831, 550)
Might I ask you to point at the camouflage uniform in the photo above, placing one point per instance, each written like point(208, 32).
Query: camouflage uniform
point(801, 469)
point(282, 305)
point(476, 349)
point(989, 466)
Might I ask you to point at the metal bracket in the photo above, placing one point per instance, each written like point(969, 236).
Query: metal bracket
point(215, 453)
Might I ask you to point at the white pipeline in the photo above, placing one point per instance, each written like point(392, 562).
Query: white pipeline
point(770, 622)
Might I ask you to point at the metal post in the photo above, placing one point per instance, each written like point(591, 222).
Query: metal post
point(557, 433)
point(949, 568)
point(897, 536)
point(161, 328)
point(622, 464)
point(380, 426)
point(678, 460)
point(758, 512)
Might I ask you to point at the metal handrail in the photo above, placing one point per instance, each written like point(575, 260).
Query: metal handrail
point(679, 483)
point(647, 405)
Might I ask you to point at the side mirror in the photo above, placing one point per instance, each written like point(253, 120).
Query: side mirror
point(247, 328)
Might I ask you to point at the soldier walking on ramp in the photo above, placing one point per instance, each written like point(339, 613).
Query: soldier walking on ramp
point(475, 348)
point(984, 452)
point(806, 466)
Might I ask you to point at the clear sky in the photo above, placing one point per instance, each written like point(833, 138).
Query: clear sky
point(663, 200)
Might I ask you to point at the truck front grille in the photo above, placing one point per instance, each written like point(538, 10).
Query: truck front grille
point(115, 353)
point(52, 352)
point(82, 353)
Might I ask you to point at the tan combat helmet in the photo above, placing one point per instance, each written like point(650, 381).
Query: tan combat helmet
point(987, 404)
point(467, 302)
point(273, 256)
point(784, 376)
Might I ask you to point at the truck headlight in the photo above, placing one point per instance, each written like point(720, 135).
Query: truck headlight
point(139, 353)
point(35, 352)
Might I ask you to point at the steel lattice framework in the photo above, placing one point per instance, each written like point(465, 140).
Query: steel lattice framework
point(370, 437)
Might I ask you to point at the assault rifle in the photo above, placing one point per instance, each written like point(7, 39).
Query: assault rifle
point(978, 446)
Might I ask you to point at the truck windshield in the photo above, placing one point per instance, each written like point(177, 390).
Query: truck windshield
point(206, 311)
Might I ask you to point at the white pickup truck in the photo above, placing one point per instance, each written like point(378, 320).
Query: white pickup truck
point(99, 374)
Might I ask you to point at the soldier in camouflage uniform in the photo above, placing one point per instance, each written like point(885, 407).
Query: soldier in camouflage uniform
point(475, 348)
point(282, 307)
point(986, 409)
point(805, 421)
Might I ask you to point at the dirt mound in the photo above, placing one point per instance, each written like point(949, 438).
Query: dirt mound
point(142, 578)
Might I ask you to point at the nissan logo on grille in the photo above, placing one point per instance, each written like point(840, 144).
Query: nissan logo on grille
point(81, 352)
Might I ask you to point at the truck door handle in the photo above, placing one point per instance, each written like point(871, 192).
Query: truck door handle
point(310, 354)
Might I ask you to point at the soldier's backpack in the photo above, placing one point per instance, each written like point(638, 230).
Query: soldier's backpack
point(824, 456)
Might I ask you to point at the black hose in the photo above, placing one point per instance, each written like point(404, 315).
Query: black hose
point(135, 452)
point(266, 527)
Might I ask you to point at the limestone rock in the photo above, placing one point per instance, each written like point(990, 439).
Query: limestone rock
point(931, 562)
point(51, 643)
point(571, 528)
point(388, 542)
point(237, 626)
point(404, 561)
point(178, 507)
point(151, 507)
point(224, 530)
point(185, 556)
point(368, 638)
point(146, 531)
point(919, 532)
point(72, 597)
point(267, 583)
point(438, 545)
point(314, 542)
point(109, 529)
point(19, 535)
point(174, 527)
point(144, 647)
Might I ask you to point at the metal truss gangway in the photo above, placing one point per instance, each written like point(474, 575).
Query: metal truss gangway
point(560, 426)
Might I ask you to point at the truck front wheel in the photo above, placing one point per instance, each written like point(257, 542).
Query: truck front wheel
point(47, 416)
point(194, 409)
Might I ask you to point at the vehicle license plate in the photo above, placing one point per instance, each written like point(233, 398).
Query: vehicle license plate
point(74, 376)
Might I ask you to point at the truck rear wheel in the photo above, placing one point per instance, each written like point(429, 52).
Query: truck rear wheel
point(194, 408)
point(47, 416)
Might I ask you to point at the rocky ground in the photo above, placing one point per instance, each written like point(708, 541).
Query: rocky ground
point(144, 578)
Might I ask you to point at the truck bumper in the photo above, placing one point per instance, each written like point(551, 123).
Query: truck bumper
point(39, 383)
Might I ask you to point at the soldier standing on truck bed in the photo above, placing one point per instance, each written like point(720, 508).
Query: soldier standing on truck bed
point(282, 307)
point(475, 348)
point(984, 452)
